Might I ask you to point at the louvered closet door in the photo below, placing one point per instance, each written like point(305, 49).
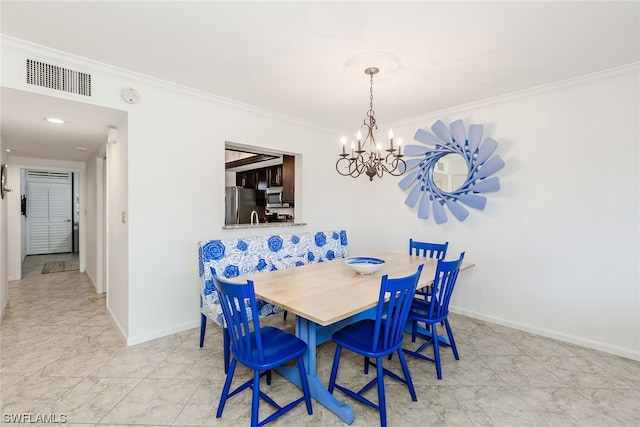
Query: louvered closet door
point(48, 218)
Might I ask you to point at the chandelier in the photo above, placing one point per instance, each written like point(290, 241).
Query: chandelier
point(368, 157)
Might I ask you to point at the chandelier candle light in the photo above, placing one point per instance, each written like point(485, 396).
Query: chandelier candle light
point(370, 159)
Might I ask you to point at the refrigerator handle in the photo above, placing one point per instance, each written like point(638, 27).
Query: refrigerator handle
point(237, 205)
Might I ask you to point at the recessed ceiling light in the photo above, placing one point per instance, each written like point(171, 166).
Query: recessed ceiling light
point(81, 148)
point(54, 120)
point(8, 150)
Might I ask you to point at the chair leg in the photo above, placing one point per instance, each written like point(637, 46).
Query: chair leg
point(436, 350)
point(366, 366)
point(255, 400)
point(226, 344)
point(334, 369)
point(305, 384)
point(382, 404)
point(203, 328)
point(407, 375)
point(225, 389)
point(451, 340)
point(428, 338)
point(414, 330)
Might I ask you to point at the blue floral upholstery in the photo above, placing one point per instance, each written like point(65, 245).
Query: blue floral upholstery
point(234, 257)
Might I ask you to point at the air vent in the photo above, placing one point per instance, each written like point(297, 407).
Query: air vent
point(58, 78)
point(35, 174)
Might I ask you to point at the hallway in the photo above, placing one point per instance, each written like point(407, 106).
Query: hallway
point(62, 357)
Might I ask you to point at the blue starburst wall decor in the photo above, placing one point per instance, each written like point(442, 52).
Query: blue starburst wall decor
point(450, 168)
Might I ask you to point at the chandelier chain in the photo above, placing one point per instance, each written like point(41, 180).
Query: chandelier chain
point(371, 113)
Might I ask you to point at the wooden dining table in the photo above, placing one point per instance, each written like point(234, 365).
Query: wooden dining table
point(327, 296)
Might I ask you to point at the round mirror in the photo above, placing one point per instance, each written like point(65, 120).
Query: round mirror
point(450, 168)
point(450, 172)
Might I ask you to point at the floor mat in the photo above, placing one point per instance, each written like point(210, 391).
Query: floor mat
point(60, 266)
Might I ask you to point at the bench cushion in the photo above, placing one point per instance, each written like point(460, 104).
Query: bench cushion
point(249, 255)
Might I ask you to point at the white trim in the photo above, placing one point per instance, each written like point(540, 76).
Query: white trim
point(52, 196)
point(92, 67)
point(14, 240)
point(65, 59)
point(584, 80)
point(99, 281)
point(114, 319)
point(596, 345)
point(163, 333)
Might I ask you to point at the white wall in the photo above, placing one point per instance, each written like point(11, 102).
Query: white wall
point(176, 195)
point(90, 219)
point(166, 174)
point(23, 218)
point(4, 259)
point(556, 249)
point(229, 179)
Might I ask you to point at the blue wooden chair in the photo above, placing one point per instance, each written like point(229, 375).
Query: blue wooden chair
point(263, 349)
point(427, 250)
point(377, 338)
point(436, 310)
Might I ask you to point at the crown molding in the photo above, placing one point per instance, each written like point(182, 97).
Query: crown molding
point(65, 59)
point(24, 48)
point(584, 80)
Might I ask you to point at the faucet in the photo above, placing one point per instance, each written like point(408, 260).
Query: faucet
point(256, 215)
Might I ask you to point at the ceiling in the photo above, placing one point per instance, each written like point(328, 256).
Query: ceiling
point(289, 57)
point(28, 134)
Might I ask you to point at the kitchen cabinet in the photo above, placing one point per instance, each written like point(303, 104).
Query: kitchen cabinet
point(283, 175)
point(274, 176)
point(261, 179)
point(255, 179)
point(247, 179)
point(288, 178)
point(261, 187)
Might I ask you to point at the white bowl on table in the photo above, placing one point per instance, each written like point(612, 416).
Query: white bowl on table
point(365, 265)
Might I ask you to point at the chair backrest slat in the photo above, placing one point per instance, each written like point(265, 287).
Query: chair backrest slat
point(443, 284)
point(238, 303)
point(428, 250)
point(391, 315)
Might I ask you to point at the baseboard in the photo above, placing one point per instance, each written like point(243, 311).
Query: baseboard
point(623, 352)
point(3, 309)
point(119, 328)
point(163, 333)
point(93, 282)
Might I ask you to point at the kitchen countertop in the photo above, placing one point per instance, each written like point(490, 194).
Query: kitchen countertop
point(264, 225)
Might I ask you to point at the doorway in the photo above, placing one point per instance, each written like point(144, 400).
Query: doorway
point(49, 212)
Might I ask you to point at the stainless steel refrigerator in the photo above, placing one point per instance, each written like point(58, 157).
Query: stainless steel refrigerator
point(240, 202)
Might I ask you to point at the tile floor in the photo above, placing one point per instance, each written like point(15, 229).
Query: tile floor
point(62, 357)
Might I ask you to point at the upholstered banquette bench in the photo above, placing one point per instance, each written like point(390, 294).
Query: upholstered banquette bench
point(248, 255)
